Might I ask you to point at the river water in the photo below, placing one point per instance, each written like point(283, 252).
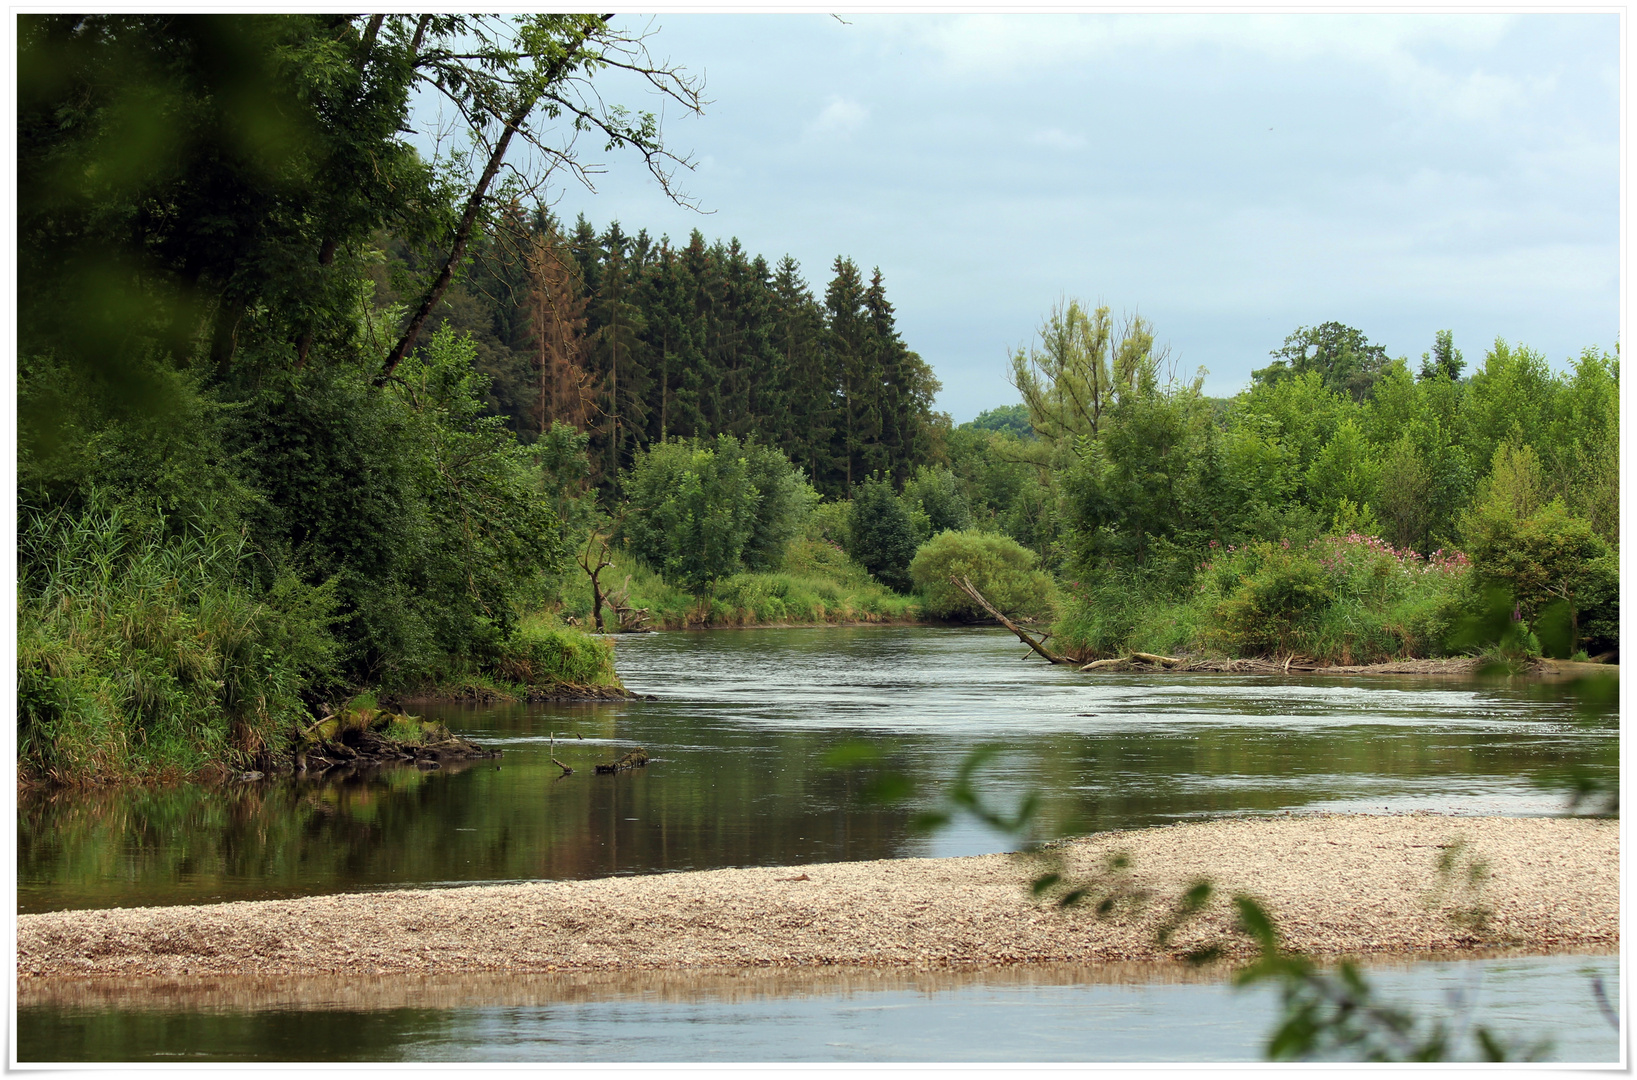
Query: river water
point(738, 738)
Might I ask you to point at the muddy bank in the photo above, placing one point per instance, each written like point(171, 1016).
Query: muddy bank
point(1336, 884)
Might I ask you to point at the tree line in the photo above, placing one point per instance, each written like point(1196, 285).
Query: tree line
point(635, 340)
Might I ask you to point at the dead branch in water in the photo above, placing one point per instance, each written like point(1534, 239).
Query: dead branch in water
point(636, 759)
point(551, 752)
point(1037, 644)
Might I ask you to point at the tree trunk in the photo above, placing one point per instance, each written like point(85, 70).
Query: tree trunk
point(469, 217)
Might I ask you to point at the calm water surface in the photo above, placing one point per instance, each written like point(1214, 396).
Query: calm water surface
point(737, 737)
point(1059, 1014)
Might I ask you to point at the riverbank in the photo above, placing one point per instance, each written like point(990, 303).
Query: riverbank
point(1337, 885)
point(1536, 667)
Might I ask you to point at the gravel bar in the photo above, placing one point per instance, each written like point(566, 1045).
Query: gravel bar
point(1335, 884)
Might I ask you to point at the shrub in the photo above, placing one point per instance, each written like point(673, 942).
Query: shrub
point(1280, 596)
point(1004, 571)
point(542, 653)
point(691, 510)
point(937, 495)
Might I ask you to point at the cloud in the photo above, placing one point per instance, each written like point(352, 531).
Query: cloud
point(1058, 139)
point(842, 116)
point(1011, 44)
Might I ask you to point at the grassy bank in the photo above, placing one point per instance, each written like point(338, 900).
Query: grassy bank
point(143, 653)
point(542, 659)
point(817, 585)
point(1341, 600)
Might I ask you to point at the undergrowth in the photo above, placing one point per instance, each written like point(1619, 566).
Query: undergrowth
point(1339, 599)
point(818, 584)
point(142, 653)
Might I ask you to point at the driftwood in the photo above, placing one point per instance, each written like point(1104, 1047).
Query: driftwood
point(1145, 657)
point(1038, 644)
point(629, 619)
point(636, 759)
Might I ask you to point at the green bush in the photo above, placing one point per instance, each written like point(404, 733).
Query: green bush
point(1340, 599)
point(1556, 568)
point(542, 653)
point(1004, 571)
point(1281, 596)
point(936, 493)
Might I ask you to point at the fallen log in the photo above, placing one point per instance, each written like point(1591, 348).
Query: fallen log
point(636, 759)
point(966, 586)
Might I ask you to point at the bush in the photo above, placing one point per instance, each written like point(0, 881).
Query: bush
point(541, 653)
point(1004, 571)
point(1558, 571)
point(937, 495)
point(691, 510)
point(1281, 595)
point(882, 538)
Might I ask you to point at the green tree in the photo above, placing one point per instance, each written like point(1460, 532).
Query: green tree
point(1344, 358)
point(1544, 556)
point(881, 538)
point(1012, 419)
point(691, 509)
point(1445, 359)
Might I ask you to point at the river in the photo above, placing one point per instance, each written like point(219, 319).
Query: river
point(738, 736)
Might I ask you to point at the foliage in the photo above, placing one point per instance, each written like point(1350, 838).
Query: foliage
point(691, 510)
point(1349, 599)
point(142, 652)
point(1004, 571)
point(1551, 564)
point(542, 653)
point(1080, 369)
point(698, 511)
point(1341, 355)
point(881, 537)
point(819, 585)
point(934, 496)
point(1012, 419)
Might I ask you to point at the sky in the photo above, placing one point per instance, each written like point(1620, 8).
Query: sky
point(1230, 177)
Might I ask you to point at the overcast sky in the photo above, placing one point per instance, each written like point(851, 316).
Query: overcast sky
point(1231, 177)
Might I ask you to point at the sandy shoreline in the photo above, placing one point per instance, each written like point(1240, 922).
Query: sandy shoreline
point(1336, 884)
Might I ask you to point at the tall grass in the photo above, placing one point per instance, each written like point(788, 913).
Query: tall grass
point(142, 652)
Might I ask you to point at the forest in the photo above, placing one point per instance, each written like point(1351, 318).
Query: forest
point(306, 411)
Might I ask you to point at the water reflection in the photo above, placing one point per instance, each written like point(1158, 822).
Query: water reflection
point(1115, 1012)
point(737, 737)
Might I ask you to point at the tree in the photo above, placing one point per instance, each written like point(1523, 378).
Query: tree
point(1013, 419)
point(1445, 359)
point(504, 77)
point(881, 538)
point(692, 508)
point(1341, 355)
